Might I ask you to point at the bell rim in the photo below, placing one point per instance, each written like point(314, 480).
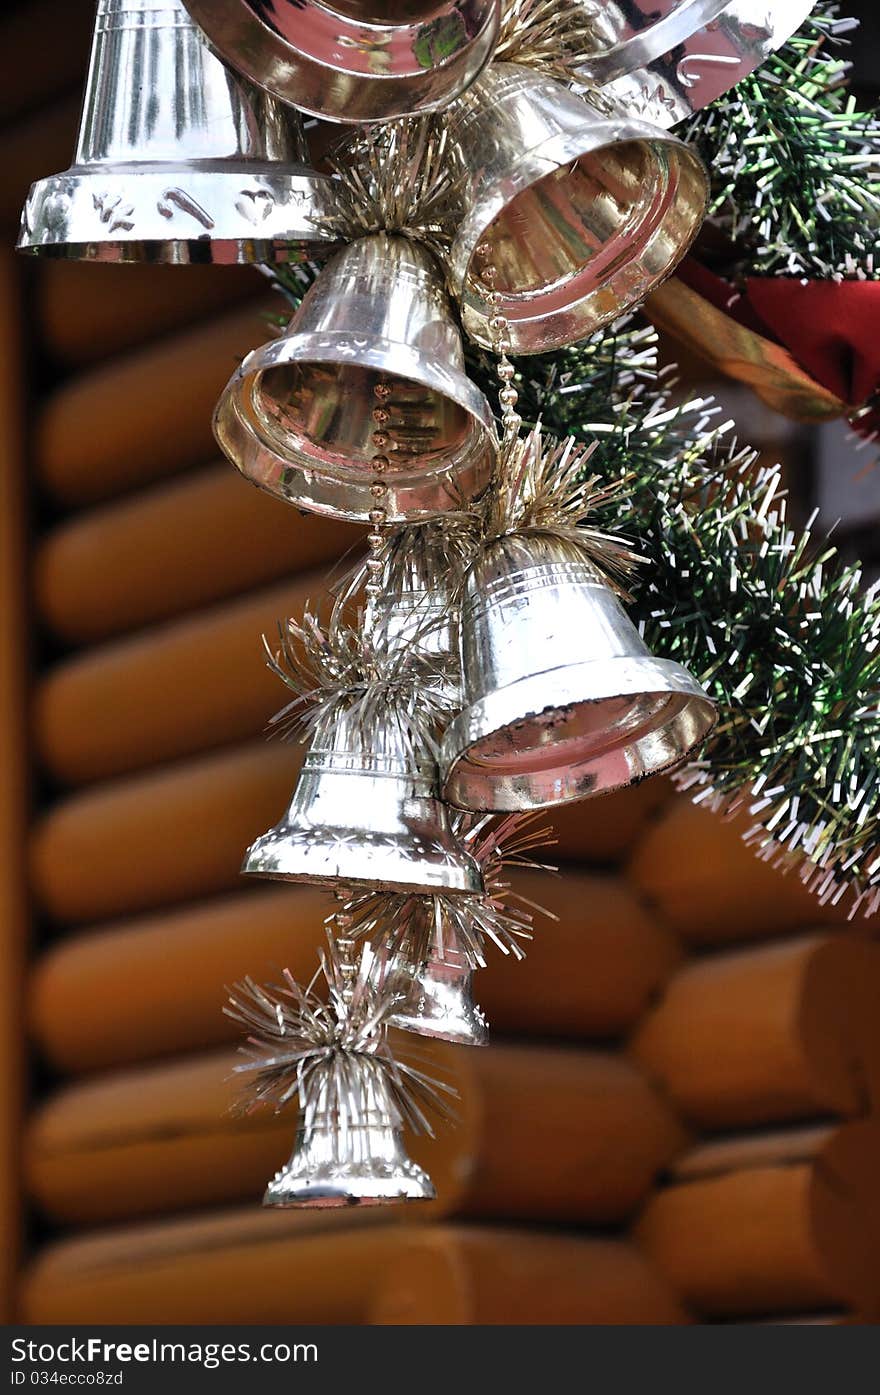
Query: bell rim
point(403, 1022)
point(285, 70)
point(155, 221)
point(528, 697)
point(599, 132)
point(361, 871)
point(339, 1200)
point(628, 56)
point(425, 495)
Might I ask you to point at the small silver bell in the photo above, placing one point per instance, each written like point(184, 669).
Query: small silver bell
point(177, 160)
point(360, 1161)
point(349, 61)
point(563, 698)
point(370, 369)
point(663, 60)
point(579, 214)
point(438, 994)
point(365, 811)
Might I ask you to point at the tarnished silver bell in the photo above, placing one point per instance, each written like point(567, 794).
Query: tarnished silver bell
point(579, 215)
point(563, 698)
point(438, 994)
point(365, 811)
point(666, 59)
point(367, 383)
point(177, 160)
point(355, 60)
point(359, 1163)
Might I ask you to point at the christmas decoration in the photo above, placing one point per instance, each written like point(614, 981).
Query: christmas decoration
point(177, 159)
point(350, 61)
point(597, 586)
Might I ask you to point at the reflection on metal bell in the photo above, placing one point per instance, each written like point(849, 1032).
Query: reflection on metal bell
point(579, 213)
point(563, 698)
point(665, 59)
point(177, 159)
point(359, 1163)
point(438, 999)
point(353, 61)
point(371, 366)
point(365, 811)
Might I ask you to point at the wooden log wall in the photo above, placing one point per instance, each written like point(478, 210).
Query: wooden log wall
point(675, 1119)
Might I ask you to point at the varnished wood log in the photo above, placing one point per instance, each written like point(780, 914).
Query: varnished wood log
point(483, 1277)
point(170, 836)
point(46, 47)
point(145, 416)
point(160, 980)
point(89, 311)
point(712, 888)
point(786, 1233)
point(782, 1032)
point(173, 548)
point(544, 1134)
point(15, 789)
point(179, 833)
point(107, 712)
point(245, 1266)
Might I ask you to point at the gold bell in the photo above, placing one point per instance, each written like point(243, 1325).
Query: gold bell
point(569, 215)
point(364, 402)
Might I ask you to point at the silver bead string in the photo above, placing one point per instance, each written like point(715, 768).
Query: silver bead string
point(508, 396)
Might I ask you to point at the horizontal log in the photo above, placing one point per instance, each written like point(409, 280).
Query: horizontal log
point(144, 416)
point(544, 1134)
point(34, 146)
point(160, 980)
point(169, 836)
point(721, 891)
point(172, 549)
point(179, 833)
point(89, 311)
point(244, 1266)
point(107, 713)
point(46, 43)
point(791, 1235)
point(783, 1032)
point(482, 1277)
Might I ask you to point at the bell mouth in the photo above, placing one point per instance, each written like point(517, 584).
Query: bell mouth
point(378, 1192)
point(258, 213)
point(583, 242)
point(299, 420)
point(351, 64)
point(314, 856)
point(469, 1031)
point(545, 740)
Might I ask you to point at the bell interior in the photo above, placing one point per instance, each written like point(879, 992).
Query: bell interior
point(633, 206)
point(584, 737)
point(286, 18)
point(327, 412)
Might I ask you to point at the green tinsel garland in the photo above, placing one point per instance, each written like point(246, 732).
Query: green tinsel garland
point(795, 164)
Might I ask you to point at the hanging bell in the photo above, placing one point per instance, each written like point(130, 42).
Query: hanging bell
point(563, 698)
point(360, 1161)
point(177, 160)
point(365, 812)
point(570, 216)
point(368, 380)
point(663, 60)
point(355, 62)
point(438, 993)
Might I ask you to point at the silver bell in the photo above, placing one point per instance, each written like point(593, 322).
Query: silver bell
point(666, 59)
point(579, 214)
point(368, 379)
point(563, 698)
point(349, 61)
point(358, 1162)
point(438, 994)
point(177, 160)
point(365, 811)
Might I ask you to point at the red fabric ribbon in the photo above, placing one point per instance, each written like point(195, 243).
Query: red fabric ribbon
point(831, 329)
